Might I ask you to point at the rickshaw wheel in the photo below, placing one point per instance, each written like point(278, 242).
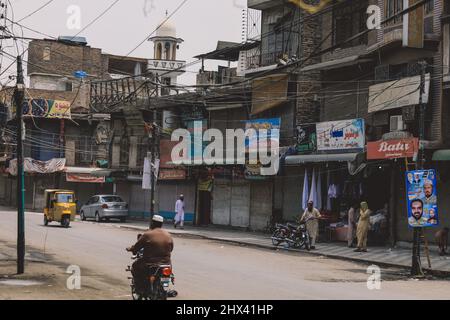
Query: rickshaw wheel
point(45, 220)
point(65, 222)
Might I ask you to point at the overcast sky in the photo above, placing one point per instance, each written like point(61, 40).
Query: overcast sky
point(201, 23)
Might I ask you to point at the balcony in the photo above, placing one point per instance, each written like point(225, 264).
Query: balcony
point(259, 60)
point(166, 65)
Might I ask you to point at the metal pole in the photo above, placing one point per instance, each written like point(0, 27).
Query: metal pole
point(416, 268)
point(153, 156)
point(19, 98)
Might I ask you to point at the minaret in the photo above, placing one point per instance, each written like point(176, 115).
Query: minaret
point(164, 63)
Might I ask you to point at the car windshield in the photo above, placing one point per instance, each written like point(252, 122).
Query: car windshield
point(64, 198)
point(112, 199)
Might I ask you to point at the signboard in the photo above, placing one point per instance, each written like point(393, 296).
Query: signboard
point(413, 25)
point(422, 198)
point(269, 92)
point(341, 135)
point(392, 149)
point(306, 138)
point(84, 177)
point(252, 143)
point(172, 174)
point(45, 108)
point(397, 94)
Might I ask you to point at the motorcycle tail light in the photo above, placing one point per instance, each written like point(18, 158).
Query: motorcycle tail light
point(167, 272)
point(105, 206)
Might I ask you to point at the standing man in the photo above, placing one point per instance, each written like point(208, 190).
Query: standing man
point(179, 209)
point(362, 229)
point(310, 217)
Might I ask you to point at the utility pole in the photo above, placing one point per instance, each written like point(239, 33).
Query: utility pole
point(416, 268)
point(19, 95)
point(154, 154)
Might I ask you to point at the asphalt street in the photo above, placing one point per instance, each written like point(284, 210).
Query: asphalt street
point(207, 269)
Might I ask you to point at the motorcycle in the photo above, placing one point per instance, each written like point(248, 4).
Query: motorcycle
point(158, 279)
point(294, 235)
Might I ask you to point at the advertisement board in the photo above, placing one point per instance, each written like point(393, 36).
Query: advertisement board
point(421, 198)
point(341, 135)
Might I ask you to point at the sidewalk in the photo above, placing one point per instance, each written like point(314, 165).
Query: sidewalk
point(398, 257)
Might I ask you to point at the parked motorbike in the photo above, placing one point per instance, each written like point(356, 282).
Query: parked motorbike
point(294, 235)
point(158, 279)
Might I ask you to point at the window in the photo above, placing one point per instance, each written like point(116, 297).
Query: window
point(64, 198)
point(349, 20)
point(69, 86)
point(158, 55)
point(429, 7)
point(392, 7)
point(112, 199)
point(46, 54)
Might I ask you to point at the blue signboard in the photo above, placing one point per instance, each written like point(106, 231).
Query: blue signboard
point(422, 198)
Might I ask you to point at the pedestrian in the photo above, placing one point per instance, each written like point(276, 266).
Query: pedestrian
point(310, 218)
point(363, 227)
point(351, 231)
point(179, 210)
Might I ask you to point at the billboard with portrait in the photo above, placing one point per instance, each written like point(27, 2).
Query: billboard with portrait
point(422, 198)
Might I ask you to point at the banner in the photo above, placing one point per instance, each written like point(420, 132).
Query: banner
point(306, 138)
point(45, 108)
point(35, 166)
point(392, 149)
point(205, 185)
point(341, 135)
point(422, 198)
point(260, 139)
point(172, 174)
point(84, 177)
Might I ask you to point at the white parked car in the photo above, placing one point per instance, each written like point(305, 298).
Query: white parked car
point(104, 207)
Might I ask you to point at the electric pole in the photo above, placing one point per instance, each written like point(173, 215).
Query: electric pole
point(19, 95)
point(154, 155)
point(416, 268)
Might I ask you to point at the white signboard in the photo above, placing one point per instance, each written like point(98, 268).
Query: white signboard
point(341, 135)
point(397, 94)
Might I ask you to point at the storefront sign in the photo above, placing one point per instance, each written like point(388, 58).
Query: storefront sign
point(422, 198)
point(306, 138)
point(392, 149)
point(45, 108)
point(397, 94)
point(84, 177)
point(172, 174)
point(341, 135)
point(205, 185)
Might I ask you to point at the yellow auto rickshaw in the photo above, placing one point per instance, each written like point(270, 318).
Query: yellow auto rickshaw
point(60, 206)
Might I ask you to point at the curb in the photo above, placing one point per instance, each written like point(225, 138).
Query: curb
point(439, 273)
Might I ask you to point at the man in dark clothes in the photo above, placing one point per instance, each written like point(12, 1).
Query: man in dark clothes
point(157, 245)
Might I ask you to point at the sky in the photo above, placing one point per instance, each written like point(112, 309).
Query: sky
point(200, 23)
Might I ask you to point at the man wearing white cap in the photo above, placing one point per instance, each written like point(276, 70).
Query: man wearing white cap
point(179, 210)
point(157, 245)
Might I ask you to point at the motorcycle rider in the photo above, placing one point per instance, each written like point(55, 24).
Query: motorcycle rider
point(157, 245)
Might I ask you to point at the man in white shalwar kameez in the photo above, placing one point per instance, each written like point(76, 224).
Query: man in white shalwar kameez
point(311, 216)
point(179, 210)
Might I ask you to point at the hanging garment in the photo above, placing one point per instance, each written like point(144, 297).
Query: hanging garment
point(328, 194)
point(305, 190)
point(319, 192)
point(313, 193)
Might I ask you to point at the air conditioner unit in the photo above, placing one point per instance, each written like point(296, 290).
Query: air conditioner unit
point(396, 123)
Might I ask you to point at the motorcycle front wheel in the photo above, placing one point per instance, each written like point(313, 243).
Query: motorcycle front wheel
point(278, 234)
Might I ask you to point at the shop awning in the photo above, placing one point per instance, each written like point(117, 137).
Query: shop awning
point(338, 63)
point(442, 155)
point(308, 158)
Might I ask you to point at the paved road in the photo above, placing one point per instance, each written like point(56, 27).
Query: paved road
point(213, 270)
